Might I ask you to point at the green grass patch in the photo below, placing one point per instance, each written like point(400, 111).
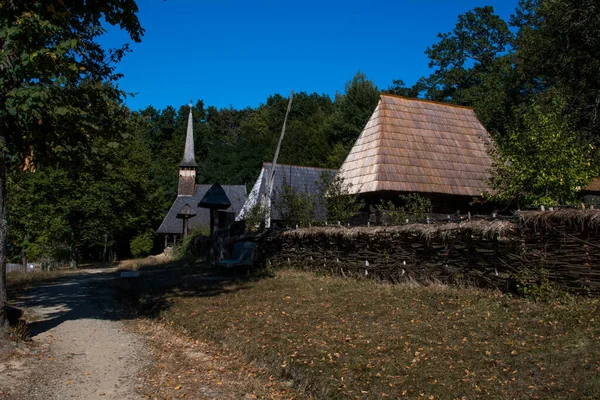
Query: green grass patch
point(342, 338)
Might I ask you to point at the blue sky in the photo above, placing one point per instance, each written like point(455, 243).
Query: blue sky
point(237, 53)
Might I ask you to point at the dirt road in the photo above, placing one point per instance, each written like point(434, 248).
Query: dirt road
point(81, 349)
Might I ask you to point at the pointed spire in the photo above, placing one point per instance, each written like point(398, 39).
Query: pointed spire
point(189, 160)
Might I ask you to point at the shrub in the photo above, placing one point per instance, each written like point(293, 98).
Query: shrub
point(336, 198)
point(535, 284)
point(255, 217)
point(295, 207)
point(417, 205)
point(392, 214)
point(141, 245)
point(190, 248)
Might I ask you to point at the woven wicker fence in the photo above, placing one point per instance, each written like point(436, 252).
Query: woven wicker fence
point(565, 244)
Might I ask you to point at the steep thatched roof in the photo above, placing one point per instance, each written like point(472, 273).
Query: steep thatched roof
point(413, 145)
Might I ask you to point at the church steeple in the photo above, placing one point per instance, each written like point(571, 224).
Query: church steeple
point(189, 160)
point(187, 166)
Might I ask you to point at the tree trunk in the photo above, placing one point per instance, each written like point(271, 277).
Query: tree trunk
point(105, 251)
point(3, 237)
point(24, 253)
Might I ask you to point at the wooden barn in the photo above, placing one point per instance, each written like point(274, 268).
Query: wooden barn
point(412, 145)
point(185, 209)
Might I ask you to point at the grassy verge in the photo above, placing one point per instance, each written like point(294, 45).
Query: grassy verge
point(337, 338)
point(18, 281)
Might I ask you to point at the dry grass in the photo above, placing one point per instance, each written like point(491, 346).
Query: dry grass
point(478, 228)
point(145, 263)
point(184, 367)
point(18, 281)
point(338, 338)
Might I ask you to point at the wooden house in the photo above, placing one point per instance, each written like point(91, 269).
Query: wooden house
point(189, 195)
point(301, 179)
point(412, 145)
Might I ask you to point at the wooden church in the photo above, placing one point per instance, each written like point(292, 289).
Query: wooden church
point(185, 211)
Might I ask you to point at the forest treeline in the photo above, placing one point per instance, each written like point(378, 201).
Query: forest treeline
point(534, 82)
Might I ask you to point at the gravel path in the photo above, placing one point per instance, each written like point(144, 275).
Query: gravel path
point(81, 348)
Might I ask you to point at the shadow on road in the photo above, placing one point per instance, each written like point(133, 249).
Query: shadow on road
point(86, 295)
point(101, 294)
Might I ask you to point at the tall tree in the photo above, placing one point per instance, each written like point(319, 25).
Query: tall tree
point(542, 161)
point(351, 113)
point(558, 48)
point(56, 87)
point(473, 66)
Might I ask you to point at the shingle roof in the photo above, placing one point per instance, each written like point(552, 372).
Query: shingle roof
point(189, 160)
point(302, 179)
point(172, 225)
point(594, 186)
point(413, 145)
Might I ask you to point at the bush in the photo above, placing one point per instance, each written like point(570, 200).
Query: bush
point(255, 217)
point(535, 284)
point(416, 207)
point(335, 194)
point(295, 207)
point(141, 245)
point(191, 247)
point(392, 214)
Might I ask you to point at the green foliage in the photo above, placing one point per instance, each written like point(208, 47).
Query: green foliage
point(417, 205)
point(392, 214)
point(399, 88)
point(335, 196)
point(558, 49)
point(537, 83)
point(472, 65)
point(142, 244)
point(60, 214)
point(54, 72)
point(190, 248)
point(351, 112)
point(542, 161)
point(57, 92)
point(535, 285)
point(295, 207)
point(255, 217)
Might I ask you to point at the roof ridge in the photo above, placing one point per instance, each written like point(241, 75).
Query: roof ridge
point(439, 103)
point(299, 166)
point(378, 133)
